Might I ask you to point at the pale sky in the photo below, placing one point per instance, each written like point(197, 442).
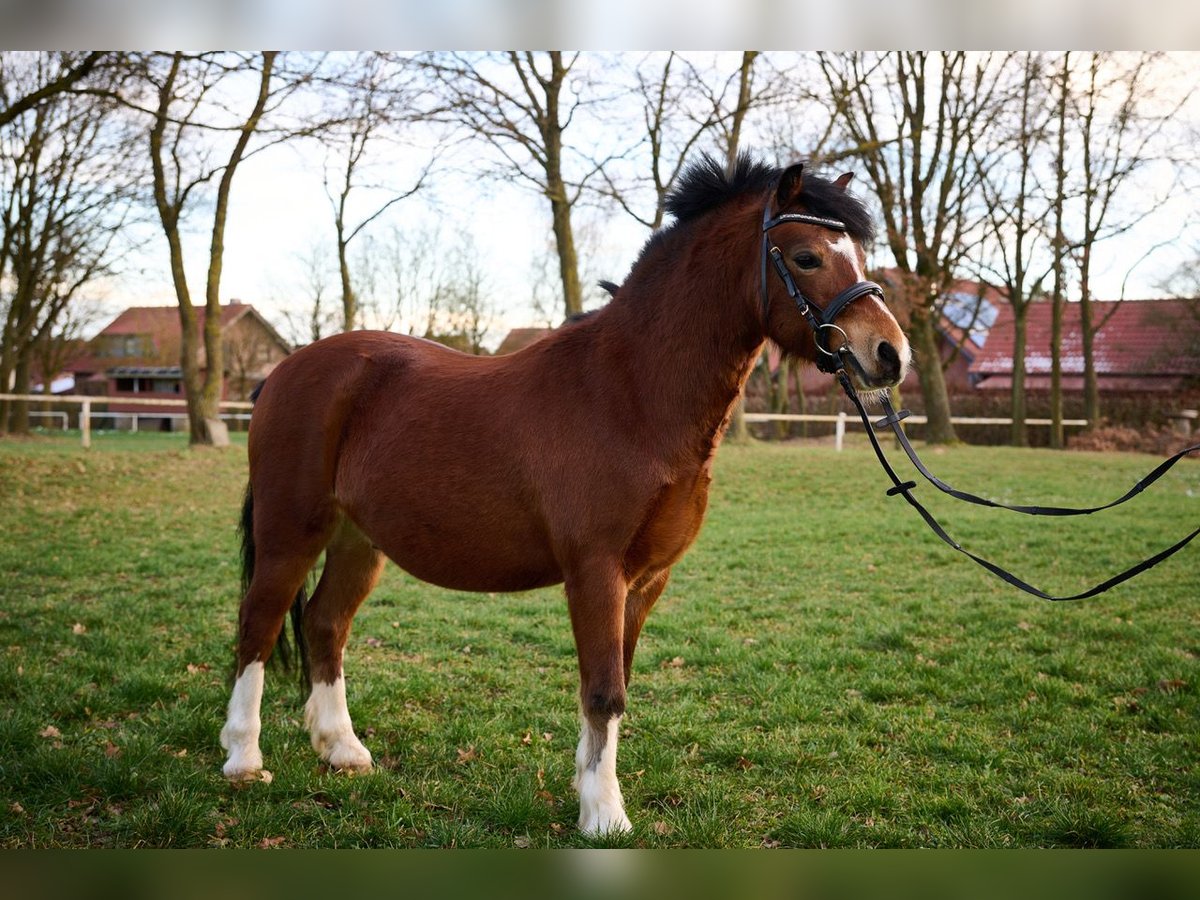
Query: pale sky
point(279, 209)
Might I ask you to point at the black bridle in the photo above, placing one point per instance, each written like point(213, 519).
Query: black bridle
point(835, 362)
point(820, 319)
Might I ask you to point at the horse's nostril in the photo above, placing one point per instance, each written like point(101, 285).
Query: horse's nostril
point(889, 361)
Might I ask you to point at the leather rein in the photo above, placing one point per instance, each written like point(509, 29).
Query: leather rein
point(835, 361)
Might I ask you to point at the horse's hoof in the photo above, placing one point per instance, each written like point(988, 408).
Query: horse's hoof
point(247, 776)
point(352, 758)
point(600, 823)
point(245, 761)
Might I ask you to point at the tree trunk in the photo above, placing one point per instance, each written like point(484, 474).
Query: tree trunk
point(568, 261)
point(738, 429)
point(556, 188)
point(801, 398)
point(1087, 333)
point(189, 345)
point(21, 384)
point(780, 401)
point(214, 351)
point(349, 300)
point(939, 429)
point(1057, 438)
point(168, 212)
point(1019, 431)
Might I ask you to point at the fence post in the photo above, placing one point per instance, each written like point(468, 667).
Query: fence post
point(841, 431)
point(85, 423)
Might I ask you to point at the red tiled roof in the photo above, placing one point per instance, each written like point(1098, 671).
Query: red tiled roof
point(161, 325)
point(159, 319)
point(1147, 338)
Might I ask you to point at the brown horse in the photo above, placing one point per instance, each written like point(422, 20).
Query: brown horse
point(584, 458)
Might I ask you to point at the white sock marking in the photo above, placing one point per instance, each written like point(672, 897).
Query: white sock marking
point(601, 806)
point(243, 725)
point(328, 721)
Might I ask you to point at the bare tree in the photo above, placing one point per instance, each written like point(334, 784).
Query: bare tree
point(413, 273)
point(910, 118)
point(1115, 133)
point(1017, 205)
point(685, 103)
point(667, 90)
point(186, 90)
point(1058, 297)
point(316, 317)
point(522, 104)
point(67, 184)
point(732, 134)
point(63, 72)
point(468, 310)
point(379, 97)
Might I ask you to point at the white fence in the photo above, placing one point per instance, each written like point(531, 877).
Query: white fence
point(839, 420)
point(86, 415)
point(842, 418)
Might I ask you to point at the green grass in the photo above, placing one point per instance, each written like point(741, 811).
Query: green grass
point(846, 679)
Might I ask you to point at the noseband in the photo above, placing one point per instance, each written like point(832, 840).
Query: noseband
point(820, 320)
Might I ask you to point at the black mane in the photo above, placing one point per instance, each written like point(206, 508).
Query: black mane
point(704, 186)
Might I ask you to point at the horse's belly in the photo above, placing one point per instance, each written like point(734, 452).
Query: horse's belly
point(466, 555)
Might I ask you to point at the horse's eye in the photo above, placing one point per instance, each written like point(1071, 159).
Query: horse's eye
point(807, 261)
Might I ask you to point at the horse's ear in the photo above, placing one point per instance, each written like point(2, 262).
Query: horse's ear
point(790, 184)
point(843, 180)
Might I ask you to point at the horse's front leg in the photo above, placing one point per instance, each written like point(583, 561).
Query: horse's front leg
point(596, 593)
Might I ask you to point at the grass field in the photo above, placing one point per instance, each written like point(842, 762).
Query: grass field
point(820, 673)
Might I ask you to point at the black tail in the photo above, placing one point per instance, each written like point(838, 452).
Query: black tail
point(283, 651)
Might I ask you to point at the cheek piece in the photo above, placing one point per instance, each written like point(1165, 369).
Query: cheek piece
point(820, 319)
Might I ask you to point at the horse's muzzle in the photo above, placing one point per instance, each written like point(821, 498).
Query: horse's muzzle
point(886, 368)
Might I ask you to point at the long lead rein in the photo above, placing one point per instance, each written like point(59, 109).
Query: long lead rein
point(904, 488)
point(834, 362)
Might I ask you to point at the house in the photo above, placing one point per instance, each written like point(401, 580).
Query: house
point(137, 355)
point(1145, 347)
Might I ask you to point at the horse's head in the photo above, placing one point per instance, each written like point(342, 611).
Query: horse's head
point(813, 236)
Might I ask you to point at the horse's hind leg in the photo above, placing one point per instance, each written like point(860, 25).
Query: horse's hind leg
point(352, 567)
point(274, 586)
point(637, 606)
